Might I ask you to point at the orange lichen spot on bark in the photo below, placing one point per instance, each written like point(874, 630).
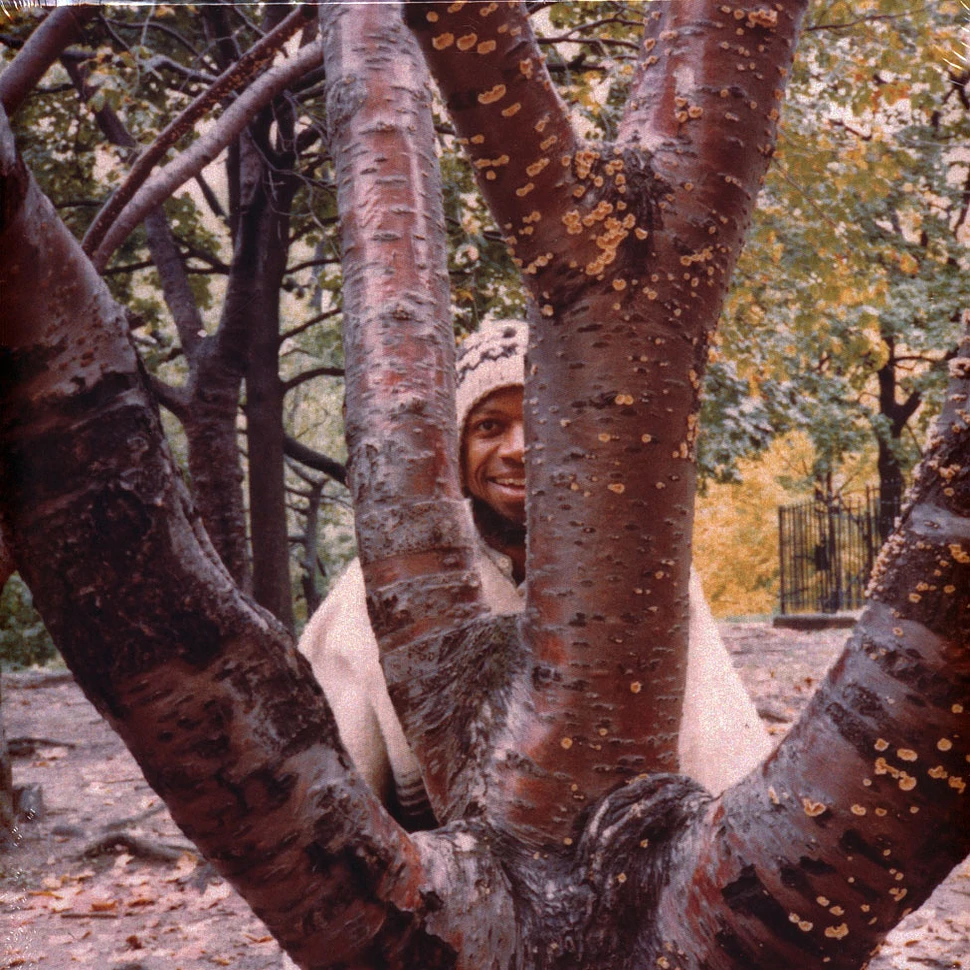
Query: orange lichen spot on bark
point(524, 190)
point(547, 143)
point(906, 754)
point(478, 139)
point(492, 95)
point(859, 810)
point(567, 841)
point(431, 17)
point(906, 782)
point(898, 893)
point(812, 808)
point(881, 744)
point(803, 924)
point(578, 192)
point(618, 488)
point(914, 597)
point(540, 125)
point(621, 878)
point(585, 159)
point(442, 41)
point(641, 234)
point(512, 109)
point(773, 795)
point(456, 6)
point(881, 812)
point(957, 783)
point(636, 687)
point(466, 41)
point(619, 285)
point(623, 399)
point(548, 310)
point(566, 743)
point(837, 932)
point(956, 709)
point(959, 553)
point(489, 9)
point(650, 43)
point(573, 222)
point(944, 744)
point(526, 68)
point(646, 438)
point(536, 167)
point(763, 17)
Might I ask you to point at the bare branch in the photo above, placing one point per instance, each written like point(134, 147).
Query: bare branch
point(241, 72)
point(310, 375)
point(314, 459)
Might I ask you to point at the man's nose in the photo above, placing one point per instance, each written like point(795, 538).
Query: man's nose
point(513, 442)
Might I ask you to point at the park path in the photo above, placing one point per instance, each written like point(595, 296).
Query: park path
point(105, 881)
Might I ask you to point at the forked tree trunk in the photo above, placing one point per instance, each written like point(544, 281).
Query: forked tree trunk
point(564, 848)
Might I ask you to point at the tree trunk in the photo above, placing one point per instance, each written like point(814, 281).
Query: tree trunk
point(566, 849)
point(893, 415)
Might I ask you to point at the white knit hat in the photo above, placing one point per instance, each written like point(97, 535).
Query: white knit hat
point(491, 358)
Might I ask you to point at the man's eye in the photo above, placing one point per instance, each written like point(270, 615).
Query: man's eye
point(486, 426)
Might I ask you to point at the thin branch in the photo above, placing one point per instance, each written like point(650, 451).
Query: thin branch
point(310, 375)
point(313, 321)
point(314, 459)
point(95, 241)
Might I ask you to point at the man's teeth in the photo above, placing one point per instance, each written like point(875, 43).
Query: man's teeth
point(514, 482)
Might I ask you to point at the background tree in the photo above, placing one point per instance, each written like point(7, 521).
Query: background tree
point(865, 208)
point(563, 845)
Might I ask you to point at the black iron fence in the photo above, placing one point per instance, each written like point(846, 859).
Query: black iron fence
point(827, 550)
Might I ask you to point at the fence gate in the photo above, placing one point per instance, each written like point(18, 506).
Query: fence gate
point(827, 550)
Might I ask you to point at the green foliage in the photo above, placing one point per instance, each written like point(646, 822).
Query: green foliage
point(24, 640)
point(858, 254)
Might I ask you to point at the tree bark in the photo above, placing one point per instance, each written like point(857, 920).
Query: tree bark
point(806, 863)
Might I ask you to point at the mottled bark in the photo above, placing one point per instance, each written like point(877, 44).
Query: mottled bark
point(627, 249)
point(807, 863)
point(205, 689)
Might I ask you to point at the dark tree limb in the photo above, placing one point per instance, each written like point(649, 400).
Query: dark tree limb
point(315, 460)
point(60, 29)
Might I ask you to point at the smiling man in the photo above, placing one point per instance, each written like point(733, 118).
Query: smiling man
point(722, 737)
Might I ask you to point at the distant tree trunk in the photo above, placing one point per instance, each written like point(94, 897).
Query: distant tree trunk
point(894, 415)
point(261, 245)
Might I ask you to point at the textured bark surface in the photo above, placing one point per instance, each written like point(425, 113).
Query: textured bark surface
point(627, 249)
point(564, 847)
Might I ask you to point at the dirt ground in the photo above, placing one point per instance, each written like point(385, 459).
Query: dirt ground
point(103, 880)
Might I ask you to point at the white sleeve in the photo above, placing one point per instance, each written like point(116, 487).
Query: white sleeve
point(722, 738)
point(340, 645)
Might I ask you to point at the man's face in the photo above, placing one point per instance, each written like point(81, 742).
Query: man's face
point(492, 453)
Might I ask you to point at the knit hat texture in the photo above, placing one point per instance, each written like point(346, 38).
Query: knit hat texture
point(491, 358)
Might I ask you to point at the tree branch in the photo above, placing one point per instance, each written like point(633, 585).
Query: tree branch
point(61, 28)
point(151, 625)
point(130, 196)
point(312, 374)
point(314, 459)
